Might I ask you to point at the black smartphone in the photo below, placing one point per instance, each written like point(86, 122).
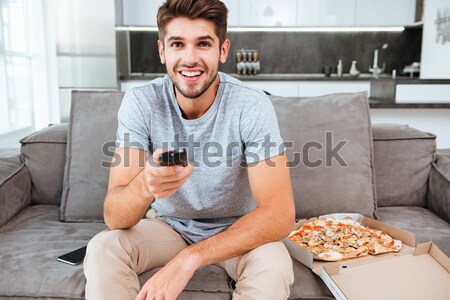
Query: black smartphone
point(73, 258)
point(171, 158)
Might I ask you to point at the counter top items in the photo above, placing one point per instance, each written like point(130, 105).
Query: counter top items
point(339, 68)
point(247, 62)
point(413, 70)
point(327, 69)
point(354, 72)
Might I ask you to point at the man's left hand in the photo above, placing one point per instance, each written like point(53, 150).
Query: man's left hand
point(168, 282)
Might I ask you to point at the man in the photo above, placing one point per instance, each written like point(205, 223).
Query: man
point(208, 212)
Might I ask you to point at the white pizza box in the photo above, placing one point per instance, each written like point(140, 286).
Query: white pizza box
point(424, 274)
point(415, 272)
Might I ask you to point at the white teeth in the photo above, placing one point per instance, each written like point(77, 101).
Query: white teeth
point(191, 74)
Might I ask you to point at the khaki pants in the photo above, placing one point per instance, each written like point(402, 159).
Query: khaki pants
point(115, 258)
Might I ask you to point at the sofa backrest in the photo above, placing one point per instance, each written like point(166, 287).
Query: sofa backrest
point(329, 147)
point(90, 146)
point(45, 154)
point(403, 157)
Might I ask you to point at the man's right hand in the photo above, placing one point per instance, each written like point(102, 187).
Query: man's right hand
point(163, 181)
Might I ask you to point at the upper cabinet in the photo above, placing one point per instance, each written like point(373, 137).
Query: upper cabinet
point(355, 12)
point(286, 13)
point(326, 12)
point(143, 12)
point(139, 12)
point(233, 12)
point(267, 13)
point(385, 12)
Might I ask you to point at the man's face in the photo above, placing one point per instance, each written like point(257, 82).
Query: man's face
point(191, 53)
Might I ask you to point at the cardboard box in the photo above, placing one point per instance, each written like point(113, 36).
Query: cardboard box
point(425, 274)
point(421, 272)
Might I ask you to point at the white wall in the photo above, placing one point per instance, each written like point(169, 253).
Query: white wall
point(290, 12)
point(435, 61)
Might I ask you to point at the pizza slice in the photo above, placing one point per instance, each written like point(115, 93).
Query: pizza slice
point(381, 243)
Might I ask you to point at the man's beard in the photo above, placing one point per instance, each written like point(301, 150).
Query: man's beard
point(188, 92)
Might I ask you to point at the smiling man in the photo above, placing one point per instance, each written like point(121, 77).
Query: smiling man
point(231, 212)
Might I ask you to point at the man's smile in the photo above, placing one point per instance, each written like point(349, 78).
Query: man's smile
point(191, 75)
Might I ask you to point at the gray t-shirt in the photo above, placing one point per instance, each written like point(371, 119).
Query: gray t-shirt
point(240, 128)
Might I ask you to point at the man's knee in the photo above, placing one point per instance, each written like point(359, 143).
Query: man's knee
point(107, 243)
point(272, 259)
point(265, 273)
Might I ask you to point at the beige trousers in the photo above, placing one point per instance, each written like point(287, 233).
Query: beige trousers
point(115, 258)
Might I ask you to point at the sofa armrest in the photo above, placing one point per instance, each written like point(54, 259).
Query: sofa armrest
point(15, 184)
point(439, 185)
point(44, 155)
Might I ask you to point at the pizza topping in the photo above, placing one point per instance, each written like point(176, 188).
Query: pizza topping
point(333, 240)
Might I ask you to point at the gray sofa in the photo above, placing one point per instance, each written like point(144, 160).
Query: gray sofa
point(52, 189)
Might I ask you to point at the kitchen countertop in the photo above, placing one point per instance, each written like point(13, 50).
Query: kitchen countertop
point(407, 80)
point(378, 103)
point(306, 77)
point(267, 77)
point(373, 102)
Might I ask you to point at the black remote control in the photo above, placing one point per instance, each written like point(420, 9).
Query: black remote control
point(172, 158)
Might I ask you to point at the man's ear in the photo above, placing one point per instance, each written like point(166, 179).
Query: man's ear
point(161, 52)
point(224, 49)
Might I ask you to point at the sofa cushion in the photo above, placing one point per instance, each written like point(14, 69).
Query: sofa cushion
point(308, 285)
point(403, 157)
point(329, 147)
point(44, 154)
point(423, 223)
point(439, 185)
point(211, 282)
point(15, 184)
point(92, 130)
point(29, 246)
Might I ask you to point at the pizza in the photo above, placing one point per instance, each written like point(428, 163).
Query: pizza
point(334, 240)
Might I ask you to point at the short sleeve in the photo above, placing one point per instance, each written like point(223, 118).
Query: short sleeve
point(132, 131)
point(259, 131)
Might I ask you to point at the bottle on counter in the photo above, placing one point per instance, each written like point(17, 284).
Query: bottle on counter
point(239, 63)
point(256, 65)
point(353, 70)
point(339, 68)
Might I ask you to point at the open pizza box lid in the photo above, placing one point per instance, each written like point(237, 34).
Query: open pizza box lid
point(421, 272)
point(424, 274)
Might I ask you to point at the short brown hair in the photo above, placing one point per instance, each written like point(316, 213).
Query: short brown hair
point(210, 10)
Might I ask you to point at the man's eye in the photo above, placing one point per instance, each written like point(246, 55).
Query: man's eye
point(204, 44)
point(176, 45)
